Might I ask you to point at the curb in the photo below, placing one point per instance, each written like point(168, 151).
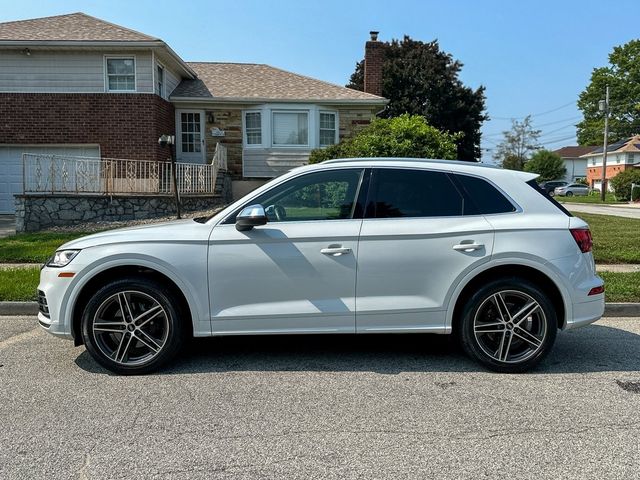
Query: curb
point(31, 308)
point(18, 308)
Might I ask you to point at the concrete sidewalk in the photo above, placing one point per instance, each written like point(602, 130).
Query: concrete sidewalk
point(626, 211)
point(7, 225)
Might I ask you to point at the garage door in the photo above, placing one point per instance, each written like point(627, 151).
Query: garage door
point(11, 167)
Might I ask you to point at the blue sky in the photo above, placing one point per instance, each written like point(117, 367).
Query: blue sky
point(533, 57)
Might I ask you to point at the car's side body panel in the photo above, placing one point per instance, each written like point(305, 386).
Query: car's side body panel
point(406, 267)
point(275, 279)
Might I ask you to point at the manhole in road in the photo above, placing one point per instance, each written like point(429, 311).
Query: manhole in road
point(633, 387)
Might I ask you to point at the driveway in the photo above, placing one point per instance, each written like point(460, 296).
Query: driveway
point(379, 406)
point(7, 225)
point(628, 212)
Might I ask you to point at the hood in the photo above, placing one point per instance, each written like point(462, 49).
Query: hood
point(177, 230)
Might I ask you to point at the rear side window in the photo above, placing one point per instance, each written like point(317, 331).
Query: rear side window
point(486, 198)
point(413, 193)
point(533, 184)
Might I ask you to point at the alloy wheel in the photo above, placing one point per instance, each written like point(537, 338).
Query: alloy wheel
point(510, 326)
point(130, 327)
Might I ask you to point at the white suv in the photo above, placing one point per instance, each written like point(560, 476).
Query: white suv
point(347, 246)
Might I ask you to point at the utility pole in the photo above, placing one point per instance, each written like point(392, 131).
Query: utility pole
point(604, 107)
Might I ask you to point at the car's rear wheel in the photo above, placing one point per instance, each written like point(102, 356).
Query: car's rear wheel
point(133, 326)
point(508, 325)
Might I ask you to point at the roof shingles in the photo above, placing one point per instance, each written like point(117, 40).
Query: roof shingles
point(261, 82)
point(78, 27)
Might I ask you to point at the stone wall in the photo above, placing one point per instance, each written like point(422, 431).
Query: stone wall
point(38, 212)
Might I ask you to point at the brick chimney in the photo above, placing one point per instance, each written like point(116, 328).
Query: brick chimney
point(373, 57)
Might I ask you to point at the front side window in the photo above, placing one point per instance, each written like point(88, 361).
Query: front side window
point(327, 195)
point(121, 76)
point(327, 129)
point(253, 128)
point(413, 193)
point(160, 81)
point(290, 128)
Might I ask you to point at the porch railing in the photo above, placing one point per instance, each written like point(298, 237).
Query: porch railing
point(53, 174)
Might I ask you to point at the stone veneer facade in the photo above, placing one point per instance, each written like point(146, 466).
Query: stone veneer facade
point(351, 120)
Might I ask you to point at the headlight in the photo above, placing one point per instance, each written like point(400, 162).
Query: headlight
point(62, 258)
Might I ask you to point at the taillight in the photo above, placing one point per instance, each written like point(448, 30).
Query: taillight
point(596, 290)
point(582, 236)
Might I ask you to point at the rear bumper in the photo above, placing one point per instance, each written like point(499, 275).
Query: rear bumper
point(585, 313)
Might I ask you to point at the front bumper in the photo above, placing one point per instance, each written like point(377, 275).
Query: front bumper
point(52, 292)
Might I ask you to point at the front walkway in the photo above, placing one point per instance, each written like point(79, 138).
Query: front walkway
point(7, 225)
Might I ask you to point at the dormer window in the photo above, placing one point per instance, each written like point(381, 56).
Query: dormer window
point(121, 74)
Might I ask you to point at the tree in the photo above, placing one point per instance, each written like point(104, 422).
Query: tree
point(403, 136)
point(547, 164)
point(420, 79)
point(621, 183)
point(623, 77)
point(517, 145)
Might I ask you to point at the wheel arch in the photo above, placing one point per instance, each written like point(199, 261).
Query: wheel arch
point(534, 273)
point(99, 277)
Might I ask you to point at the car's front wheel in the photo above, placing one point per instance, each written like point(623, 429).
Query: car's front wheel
point(133, 326)
point(569, 194)
point(508, 325)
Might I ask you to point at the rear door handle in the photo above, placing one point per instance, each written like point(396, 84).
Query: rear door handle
point(335, 250)
point(468, 247)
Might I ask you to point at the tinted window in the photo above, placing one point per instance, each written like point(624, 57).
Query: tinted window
point(413, 193)
point(486, 198)
point(327, 195)
point(533, 184)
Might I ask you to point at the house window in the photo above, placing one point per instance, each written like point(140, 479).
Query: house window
point(253, 128)
point(290, 128)
point(327, 129)
point(191, 141)
point(121, 74)
point(160, 81)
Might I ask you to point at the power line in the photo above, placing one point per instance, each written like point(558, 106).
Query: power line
point(535, 114)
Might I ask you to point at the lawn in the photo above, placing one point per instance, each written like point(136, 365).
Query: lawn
point(20, 284)
point(615, 239)
point(621, 287)
point(33, 247)
point(592, 198)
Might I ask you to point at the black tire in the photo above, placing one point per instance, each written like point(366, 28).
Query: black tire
point(160, 328)
point(481, 328)
point(569, 194)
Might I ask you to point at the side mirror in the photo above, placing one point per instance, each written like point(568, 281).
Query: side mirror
point(249, 217)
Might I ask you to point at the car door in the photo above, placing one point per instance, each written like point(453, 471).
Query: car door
point(297, 273)
point(420, 235)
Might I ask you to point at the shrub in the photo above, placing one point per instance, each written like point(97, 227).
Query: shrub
point(547, 164)
point(404, 136)
point(621, 183)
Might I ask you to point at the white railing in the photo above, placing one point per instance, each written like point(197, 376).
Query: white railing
point(109, 176)
point(220, 157)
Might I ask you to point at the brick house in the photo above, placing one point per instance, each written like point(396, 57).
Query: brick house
point(80, 86)
point(621, 156)
point(574, 162)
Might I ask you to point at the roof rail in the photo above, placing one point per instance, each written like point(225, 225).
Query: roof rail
point(416, 160)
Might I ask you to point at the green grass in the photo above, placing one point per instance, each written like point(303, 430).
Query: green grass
point(621, 287)
point(33, 247)
point(18, 284)
point(615, 239)
point(591, 198)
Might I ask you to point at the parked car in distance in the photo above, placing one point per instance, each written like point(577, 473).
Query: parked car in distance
point(571, 190)
point(551, 185)
point(345, 246)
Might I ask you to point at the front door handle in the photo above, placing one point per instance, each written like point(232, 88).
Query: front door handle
point(335, 250)
point(468, 247)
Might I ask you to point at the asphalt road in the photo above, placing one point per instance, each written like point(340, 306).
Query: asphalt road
point(321, 407)
point(627, 212)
